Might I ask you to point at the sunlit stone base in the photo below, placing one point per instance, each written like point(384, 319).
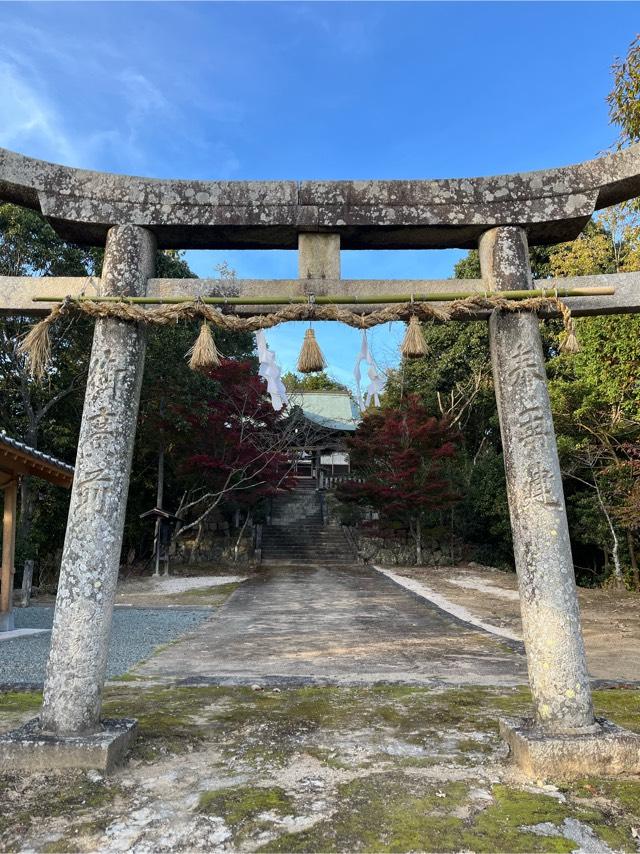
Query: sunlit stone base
point(609, 751)
point(30, 749)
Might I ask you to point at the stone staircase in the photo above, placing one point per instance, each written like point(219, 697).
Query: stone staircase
point(297, 534)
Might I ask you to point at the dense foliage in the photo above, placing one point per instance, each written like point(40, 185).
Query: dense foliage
point(400, 454)
point(47, 415)
point(311, 382)
point(595, 394)
point(433, 450)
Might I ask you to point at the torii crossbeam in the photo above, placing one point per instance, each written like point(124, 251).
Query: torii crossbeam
point(500, 215)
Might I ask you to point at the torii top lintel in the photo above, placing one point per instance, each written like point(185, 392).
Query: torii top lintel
point(553, 205)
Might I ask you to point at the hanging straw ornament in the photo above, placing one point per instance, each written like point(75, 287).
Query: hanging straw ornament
point(36, 346)
point(414, 344)
point(310, 359)
point(204, 355)
point(570, 344)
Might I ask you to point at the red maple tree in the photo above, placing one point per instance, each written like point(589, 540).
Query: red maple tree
point(235, 447)
point(400, 455)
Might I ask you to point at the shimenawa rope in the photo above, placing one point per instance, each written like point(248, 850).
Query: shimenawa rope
point(36, 344)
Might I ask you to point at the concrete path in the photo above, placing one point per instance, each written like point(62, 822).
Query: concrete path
point(339, 625)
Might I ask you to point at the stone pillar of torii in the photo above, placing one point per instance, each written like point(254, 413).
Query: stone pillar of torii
point(501, 216)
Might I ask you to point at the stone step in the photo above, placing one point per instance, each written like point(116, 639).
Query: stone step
point(297, 533)
point(308, 544)
point(307, 562)
point(301, 547)
point(307, 554)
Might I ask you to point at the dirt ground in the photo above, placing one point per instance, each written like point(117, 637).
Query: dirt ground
point(610, 618)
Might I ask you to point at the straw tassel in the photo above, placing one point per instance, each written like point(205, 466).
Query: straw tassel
point(570, 342)
point(310, 359)
point(36, 346)
point(570, 345)
point(414, 344)
point(204, 354)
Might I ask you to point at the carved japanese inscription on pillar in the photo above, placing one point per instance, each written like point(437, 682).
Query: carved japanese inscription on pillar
point(542, 549)
point(91, 557)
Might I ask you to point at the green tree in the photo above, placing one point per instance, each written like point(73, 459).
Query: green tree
point(595, 398)
point(624, 98)
point(47, 415)
point(311, 382)
point(44, 415)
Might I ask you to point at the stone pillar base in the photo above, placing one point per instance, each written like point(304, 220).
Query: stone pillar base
point(30, 749)
point(609, 751)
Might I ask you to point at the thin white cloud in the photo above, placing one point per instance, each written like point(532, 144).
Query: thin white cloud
point(142, 95)
point(352, 33)
point(29, 122)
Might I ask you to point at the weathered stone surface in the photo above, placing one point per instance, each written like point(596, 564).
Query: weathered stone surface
point(553, 205)
point(319, 256)
point(16, 292)
point(30, 749)
point(91, 556)
point(549, 605)
point(608, 751)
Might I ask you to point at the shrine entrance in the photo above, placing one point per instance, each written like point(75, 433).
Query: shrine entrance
point(501, 216)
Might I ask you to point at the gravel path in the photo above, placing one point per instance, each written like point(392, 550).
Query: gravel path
point(136, 633)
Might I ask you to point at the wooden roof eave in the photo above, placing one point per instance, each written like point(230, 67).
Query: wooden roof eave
point(18, 463)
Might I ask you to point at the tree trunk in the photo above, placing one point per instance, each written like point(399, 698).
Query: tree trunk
point(615, 552)
point(418, 543)
point(237, 545)
point(27, 508)
point(452, 554)
point(634, 560)
point(196, 544)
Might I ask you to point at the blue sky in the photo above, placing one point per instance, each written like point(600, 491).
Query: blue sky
point(312, 90)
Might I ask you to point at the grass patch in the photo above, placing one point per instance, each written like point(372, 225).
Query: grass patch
point(386, 812)
point(621, 705)
point(20, 701)
point(238, 804)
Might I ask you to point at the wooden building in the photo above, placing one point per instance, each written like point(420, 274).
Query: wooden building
point(332, 417)
point(16, 461)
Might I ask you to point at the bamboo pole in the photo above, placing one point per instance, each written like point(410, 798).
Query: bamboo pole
point(443, 296)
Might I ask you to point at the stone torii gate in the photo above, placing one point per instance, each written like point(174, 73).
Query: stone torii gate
point(502, 216)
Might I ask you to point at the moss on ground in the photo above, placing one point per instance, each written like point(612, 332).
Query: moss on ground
point(20, 701)
point(390, 806)
point(71, 794)
point(620, 705)
point(247, 810)
point(167, 719)
point(387, 812)
point(238, 804)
